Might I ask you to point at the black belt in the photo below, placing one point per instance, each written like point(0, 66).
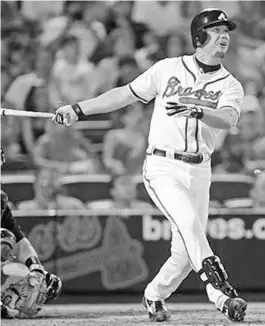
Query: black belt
point(188, 158)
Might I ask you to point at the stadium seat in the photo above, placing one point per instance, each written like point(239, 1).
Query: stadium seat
point(228, 186)
point(19, 187)
point(87, 187)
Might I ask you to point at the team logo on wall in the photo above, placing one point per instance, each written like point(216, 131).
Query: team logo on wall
point(111, 251)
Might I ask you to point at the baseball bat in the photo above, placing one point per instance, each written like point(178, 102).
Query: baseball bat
point(21, 113)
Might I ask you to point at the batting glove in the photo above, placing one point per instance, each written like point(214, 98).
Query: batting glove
point(68, 114)
point(179, 110)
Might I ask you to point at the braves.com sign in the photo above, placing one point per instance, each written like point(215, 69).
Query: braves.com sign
point(219, 228)
point(102, 253)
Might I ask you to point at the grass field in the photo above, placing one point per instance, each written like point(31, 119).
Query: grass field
point(199, 314)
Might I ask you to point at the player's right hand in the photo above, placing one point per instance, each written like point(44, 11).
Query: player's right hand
point(65, 115)
point(176, 109)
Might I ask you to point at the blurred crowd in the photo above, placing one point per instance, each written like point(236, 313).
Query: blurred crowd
point(61, 52)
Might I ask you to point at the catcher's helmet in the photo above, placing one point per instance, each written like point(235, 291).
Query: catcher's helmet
point(208, 18)
point(2, 156)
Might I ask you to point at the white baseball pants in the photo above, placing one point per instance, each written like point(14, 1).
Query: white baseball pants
point(181, 191)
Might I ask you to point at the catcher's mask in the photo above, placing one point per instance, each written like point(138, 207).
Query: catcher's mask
point(208, 18)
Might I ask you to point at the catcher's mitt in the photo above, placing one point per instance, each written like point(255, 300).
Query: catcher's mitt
point(27, 295)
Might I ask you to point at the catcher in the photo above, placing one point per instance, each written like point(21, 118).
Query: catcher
point(23, 297)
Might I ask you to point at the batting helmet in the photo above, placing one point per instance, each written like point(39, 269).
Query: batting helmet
point(208, 18)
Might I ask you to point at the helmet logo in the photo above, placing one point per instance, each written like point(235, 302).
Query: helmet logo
point(222, 16)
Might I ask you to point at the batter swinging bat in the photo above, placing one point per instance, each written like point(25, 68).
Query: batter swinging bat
point(29, 114)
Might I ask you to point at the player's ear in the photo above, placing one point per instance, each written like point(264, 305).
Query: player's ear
point(197, 42)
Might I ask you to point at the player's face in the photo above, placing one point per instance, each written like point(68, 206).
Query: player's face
point(71, 51)
point(218, 40)
point(46, 183)
point(44, 62)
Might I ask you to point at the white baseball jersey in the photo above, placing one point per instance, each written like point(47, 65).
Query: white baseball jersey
point(181, 80)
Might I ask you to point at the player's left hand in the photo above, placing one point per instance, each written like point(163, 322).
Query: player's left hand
point(65, 115)
point(180, 110)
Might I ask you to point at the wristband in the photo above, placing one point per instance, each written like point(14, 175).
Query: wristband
point(78, 110)
point(197, 113)
point(33, 263)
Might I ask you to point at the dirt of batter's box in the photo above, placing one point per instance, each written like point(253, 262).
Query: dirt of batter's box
point(134, 315)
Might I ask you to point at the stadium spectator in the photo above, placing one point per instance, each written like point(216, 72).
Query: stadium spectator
point(6, 80)
point(120, 43)
point(251, 128)
point(151, 48)
point(49, 194)
point(108, 67)
point(18, 91)
point(65, 150)
point(124, 148)
point(251, 88)
point(72, 77)
point(231, 154)
point(256, 199)
point(9, 13)
point(82, 19)
point(128, 70)
point(162, 16)
point(41, 10)
point(175, 45)
point(10, 140)
point(257, 160)
point(232, 8)
point(120, 18)
point(251, 25)
point(123, 194)
point(32, 128)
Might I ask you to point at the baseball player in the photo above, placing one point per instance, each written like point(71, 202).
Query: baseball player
point(195, 98)
point(24, 296)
